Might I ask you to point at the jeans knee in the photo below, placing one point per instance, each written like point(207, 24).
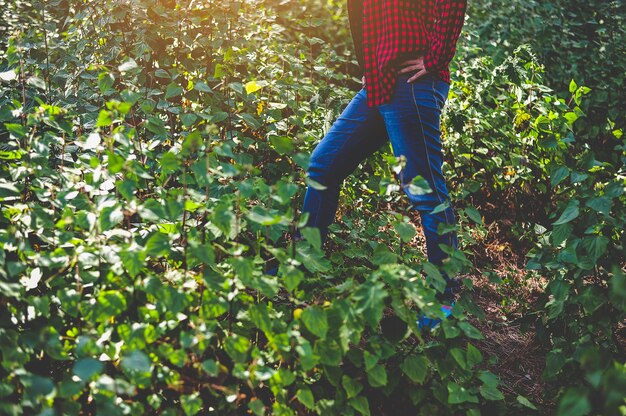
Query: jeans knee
point(321, 172)
point(424, 204)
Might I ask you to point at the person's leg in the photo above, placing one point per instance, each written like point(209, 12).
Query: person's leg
point(412, 118)
point(357, 133)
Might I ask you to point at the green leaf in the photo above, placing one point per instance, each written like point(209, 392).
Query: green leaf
point(202, 87)
point(570, 116)
point(491, 392)
point(262, 216)
point(592, 299)
point(305, 396)
point(192, 143)
point(600, 204)
point(474, 215)
point(308, 358)
point(16, 129)
point(169, 162)
point(570, 213)
point(370, 360)
point(596, 246)
point(133, 261)
point(105, 81)
point(415, 368)
point(200, 253)
point(314, 184)
point(450, 330)
point(243, 268)
point(470, 330)
point(377, 376)
point(130, 64)
point(86, 368)
point(419, 186)
point(251, 120)
point(405, 230)
point(360, 404)
point(104, 119)
point(459, 394)
point(237, 347)
point(525, 402)
point(210, 367)
point(370, 301)
point(313, 259)
point(572, 86)
point(8, 190)
point(111, 303)
point(173, 90)
point(382, 255)
point(352, 387)
point(434, 276)
point(292, 278)
point(313, 236)
point(158, 245)
point(37, 386)
point(473, 355)
point(136, 362)
point(617, 284)
point(191, 404)
point(574, 403)
point(257, 406)
point(162, 73)
point(282, 144)
point(156, 126)
point(188, 119)
point(315, 320)
point(459, 356)
point(259, 316)
point(558, 175)
point(555, 360)
point(560, 233)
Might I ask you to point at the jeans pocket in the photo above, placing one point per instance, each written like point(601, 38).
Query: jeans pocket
point(440, 92)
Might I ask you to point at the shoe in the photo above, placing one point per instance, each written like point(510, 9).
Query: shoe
point(431, 323)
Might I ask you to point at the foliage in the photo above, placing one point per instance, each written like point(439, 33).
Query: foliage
point(148, 177)
point(574, 39)
point(153, 161)
point(566, 198)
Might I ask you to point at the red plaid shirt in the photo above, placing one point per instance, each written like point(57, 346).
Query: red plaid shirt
point(386, 32)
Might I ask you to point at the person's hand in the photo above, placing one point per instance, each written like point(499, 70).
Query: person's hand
point(363, 81)
point(411, 65)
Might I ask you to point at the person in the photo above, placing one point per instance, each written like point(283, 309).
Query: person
point(404, 48)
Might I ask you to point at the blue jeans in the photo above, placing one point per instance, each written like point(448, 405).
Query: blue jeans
point(410, 121)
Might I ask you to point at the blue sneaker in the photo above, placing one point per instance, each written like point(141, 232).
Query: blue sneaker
point(431, 323)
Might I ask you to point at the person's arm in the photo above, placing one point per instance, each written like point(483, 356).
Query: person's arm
point(449, 19)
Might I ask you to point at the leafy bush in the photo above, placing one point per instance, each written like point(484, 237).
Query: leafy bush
point(574, 39)
point(518, 150)
point(143, 193)
point(154, 159)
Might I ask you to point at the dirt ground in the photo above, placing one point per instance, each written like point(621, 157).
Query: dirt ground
point(507, 293)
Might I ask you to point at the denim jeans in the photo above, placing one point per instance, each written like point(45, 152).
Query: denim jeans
point(410, 121)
